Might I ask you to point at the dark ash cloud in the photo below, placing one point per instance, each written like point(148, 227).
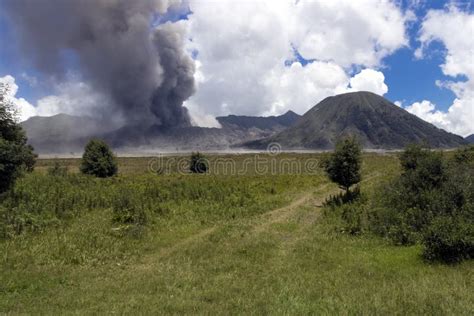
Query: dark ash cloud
point(145, 71)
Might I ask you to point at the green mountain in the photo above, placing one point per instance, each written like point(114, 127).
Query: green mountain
point(375, 121)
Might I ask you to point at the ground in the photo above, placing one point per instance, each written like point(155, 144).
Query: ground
point(255, 243)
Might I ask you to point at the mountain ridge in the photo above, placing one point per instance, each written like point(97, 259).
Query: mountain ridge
point(260, 122)
point(470, 139)
point(375, 121)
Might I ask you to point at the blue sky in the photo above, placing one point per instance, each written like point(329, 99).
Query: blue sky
point(409, 79)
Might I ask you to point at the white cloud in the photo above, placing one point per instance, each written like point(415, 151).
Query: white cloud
point(299, 88)
point(369, 80)
point(455, 29)
point(242, 48)
point(23, 107)
point(73, 98)
point(349, 32)
point(458, 119)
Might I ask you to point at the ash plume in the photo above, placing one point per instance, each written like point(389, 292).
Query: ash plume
point(144, 70)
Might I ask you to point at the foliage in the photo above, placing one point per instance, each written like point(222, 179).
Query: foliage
point(423, 169)
point(343, 166)
point(431, 202)
point(431, 190)
point(57, 170)
point(449, 239)
point(16, 156)
point(343, 198)
point(198, 163)
point(98, 160)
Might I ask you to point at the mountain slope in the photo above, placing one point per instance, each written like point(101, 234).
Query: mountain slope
point(470, 139)
point(375, 121)
point(65, 134)
point(263, 123)
point(61, 133)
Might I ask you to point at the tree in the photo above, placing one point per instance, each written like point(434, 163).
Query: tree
point(98, 160)
point(16, 156)
point(343, 166)
point(198, 163)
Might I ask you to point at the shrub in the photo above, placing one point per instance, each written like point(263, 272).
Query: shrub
point(15, 155)
point(198, 163)
point(343, 198)
point(98, 160)
point(343, 166)
point(423, 169)
point(449, 239)
point(432, 203)
point(128, 208)
point(56, 170)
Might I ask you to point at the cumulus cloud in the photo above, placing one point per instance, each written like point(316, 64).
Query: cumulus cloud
point(455, 29)
point(349, 32)
point(70, 97)
point(249, 65)
point(24, 108)
point(369, 80)
point(73, 98)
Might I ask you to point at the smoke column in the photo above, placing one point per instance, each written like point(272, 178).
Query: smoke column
point(145, 71)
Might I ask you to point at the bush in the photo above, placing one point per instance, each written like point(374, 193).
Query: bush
point(98, 160)
point(343, 166)
point(423, 169)
point(57, 170)
point(128, 208)
point(449, 239)
point(198, 163)
point(16, 156)
point(343, 198)
point(432, 203)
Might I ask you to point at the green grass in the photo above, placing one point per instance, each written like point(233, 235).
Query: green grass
point(215, 244)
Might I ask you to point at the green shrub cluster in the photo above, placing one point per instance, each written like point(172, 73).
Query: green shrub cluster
point(431, 202)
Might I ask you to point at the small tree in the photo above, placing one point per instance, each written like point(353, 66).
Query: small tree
point(343, 166)
point(98, 160)
point(16, 156)
point(198, 163)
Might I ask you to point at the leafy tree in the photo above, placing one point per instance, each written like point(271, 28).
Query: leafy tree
point(198, 163)
point(16, 156)
point(343, 166)
point(98, 160)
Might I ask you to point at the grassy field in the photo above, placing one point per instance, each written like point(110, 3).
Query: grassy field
point(248, 238)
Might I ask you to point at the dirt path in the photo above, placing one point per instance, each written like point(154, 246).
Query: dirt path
point(263, 222)
point(313, 198)
point(284, 213)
